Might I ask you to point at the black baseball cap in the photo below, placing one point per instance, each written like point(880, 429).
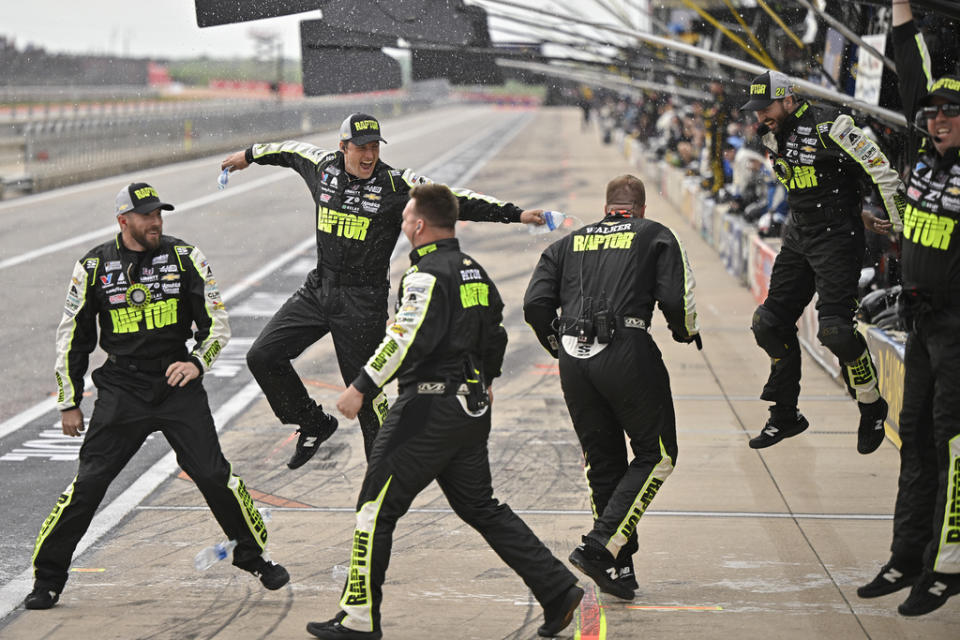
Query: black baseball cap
point(139, 197)
point(947, 87)
point(360, 128)
point(767, 87)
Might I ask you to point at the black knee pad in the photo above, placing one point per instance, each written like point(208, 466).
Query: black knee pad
point(839, 336)
point(770, 333)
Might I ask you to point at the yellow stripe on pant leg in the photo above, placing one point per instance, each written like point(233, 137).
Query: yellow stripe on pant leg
point(250, 514)
point(948, 551)
point(356, 601)
point(62, 503)
point(655, 480)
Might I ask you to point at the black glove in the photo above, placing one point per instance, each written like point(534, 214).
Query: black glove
point(688, 339)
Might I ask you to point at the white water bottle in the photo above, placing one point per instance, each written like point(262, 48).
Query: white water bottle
point(340, 573)
point(222, 180)
point(212, 555)
point(552, 220)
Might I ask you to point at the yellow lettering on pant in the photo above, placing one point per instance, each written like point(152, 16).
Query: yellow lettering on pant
point(344, 225)
point(155, 315)
point(622, 240)
point(927, 229)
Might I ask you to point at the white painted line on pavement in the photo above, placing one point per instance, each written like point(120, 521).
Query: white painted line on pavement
point(28, 415)
point(209, 161)
point(24, 417)
point(13, 593)
point(496, 147)
point(111, 229)
point(230, 191)
point(583, 512)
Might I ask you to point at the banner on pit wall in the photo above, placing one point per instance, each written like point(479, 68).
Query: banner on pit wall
point(887, 355)
point(762, 256)
point(734, 246)
point(870, 70)
point(807, 328)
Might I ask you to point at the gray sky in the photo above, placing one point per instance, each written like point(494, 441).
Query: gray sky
point(168, 28)
point(154, 28)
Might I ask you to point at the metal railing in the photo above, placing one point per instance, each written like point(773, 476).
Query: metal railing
point(41, 154)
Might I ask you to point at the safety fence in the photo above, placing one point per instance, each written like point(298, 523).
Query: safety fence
point(38, 155)
point(749, 258)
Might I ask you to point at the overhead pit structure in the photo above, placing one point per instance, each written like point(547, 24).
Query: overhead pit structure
point(342, 51)
point(339, 60)
point(211, 13)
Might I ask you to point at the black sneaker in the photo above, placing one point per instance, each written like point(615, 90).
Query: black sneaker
point(558, 613)
point(777, 429)
point(333, 630)
point(626, 575)
point(311, 437)
point(895, 575)
point(42, 597)
point(930, 592)
point(598, 563)
point(272, 575)
point(870, 434)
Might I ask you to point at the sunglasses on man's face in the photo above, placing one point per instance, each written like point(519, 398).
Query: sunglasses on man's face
point(949, 109)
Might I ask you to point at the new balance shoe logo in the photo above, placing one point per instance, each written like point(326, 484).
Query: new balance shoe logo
point(771, 431)
point(878, 426)
point(937, 589)
point(892, 576)
point(310, 442)
point(612, 571)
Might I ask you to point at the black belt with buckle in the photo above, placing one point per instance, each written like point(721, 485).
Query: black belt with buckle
point(630, 322)
point(146, 365)
point(819, 215)
point(341, 279)
point(623, 322)
point(435, 388)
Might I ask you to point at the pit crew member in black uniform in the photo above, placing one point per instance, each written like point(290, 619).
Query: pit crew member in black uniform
point(925, 551)
point(445, 347)
point(359, 202)
point(145, 290)
point(824, 160)
point(605, 278)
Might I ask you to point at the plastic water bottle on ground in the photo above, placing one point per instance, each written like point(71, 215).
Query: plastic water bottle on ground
point(340, 573)
point(222, 180)
point(220, 551)
point(212, 555)
point(552, 219)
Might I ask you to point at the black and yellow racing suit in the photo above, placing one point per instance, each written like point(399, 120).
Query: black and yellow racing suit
point(358, 223)
point(146, 304)
point(824, 160)
point(617, 269)
point(445, 346)
point(926, 527)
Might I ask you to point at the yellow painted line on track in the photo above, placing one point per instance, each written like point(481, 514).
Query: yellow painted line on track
point(654, 607)
point(591, 620)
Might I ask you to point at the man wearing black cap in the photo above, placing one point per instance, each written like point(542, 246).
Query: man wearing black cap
point(825, 162)
point(146, 290)
point(925, 551)
point(359, 202)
